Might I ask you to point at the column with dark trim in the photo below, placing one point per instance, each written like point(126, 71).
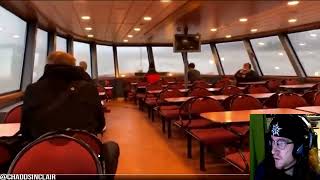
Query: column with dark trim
point(29, 55)
point(252, 56)
point(216, 59)
point(51, 42)
point(94, 60)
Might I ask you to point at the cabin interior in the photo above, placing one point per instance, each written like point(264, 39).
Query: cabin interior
point(122, 40)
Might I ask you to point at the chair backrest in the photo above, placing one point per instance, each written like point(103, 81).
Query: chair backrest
point(169, 93)
point(56, 154)
point(176, 86)
point(230, 90)
point(257, 88)
point(14, 115)
point(273, 84)
point(310, 97)
point(200, 83)
point(222, 83)
point(316, 100)
point(155, 86)
point(245, 102)
point(196, 105)
point(290, 82)
point(291, 100)
point(198, 91)
point(316, 87)
point(5, 155)
point(83, 135)
point(272, 101)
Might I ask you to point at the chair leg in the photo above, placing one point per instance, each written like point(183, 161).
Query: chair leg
point(189, 146)
point(163, 125)
point(169, 128)
point(152, 114)
point(202, 157)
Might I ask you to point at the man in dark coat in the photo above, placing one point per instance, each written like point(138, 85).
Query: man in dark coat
point(246, 74)
point(64, 97)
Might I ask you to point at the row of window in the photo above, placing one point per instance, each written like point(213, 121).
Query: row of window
point(270, 54)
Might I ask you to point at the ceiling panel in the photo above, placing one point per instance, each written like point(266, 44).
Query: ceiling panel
point(114, 20)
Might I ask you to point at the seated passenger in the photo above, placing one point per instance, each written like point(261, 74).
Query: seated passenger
point(193, 74)
point(246, 74)
point(290, 153)
point(63, 98)
point(152, 76)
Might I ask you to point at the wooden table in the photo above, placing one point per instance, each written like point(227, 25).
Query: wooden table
point(9, 129)
point(108, 88)
point(310, 109)
point(244, 115)
point(252, 83)
point(219, 97)
point(298, 86)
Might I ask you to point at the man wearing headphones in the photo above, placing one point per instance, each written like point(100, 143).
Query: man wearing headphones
point(290, 153)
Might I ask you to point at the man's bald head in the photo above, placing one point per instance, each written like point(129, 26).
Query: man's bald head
point(62, 58)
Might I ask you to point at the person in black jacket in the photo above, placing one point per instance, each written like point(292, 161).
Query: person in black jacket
point(65, 97)
point(290, 153)
point(246, 74)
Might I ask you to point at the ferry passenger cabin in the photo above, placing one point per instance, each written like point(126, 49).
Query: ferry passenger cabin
point(163, 127)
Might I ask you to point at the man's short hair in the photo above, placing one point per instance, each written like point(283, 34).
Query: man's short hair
point(248, 65)
point(191, 65)
point(83, 65)
point(59, 57)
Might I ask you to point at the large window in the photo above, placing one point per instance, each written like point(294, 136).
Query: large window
point(306, 44)
point(81, 52)
point(271, 56)
point(12, 45)
point(40, 57)
point(204, 60)
point(61, 44)
point(105, 61)
point(132, 60)
point(232, 56)
point(167, 61)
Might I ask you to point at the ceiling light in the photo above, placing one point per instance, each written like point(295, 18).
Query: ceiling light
point(313, 35)
point(261, 43)
point(276, 67)
point(170, 74)
point(88, 28)
point(292, 20)
point(211, 62)
point(280, 54)
point(302, 44)
point(243, 19)
point(123, 75)
point(228, 36)
point(137, 29)
point(15, 36)
point(125, 40)
point(147, 18)
point(165, 1)
point(213, 29)
point(293, 3)
point(85, 17)
point(254, 30)
point(130, 36)
point(90, 35)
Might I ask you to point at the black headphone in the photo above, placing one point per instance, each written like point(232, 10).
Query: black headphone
point(310, 138)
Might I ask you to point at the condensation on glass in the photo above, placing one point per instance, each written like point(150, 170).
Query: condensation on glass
point(306, 45)
point(81, 52)
point(271, 56)
point(61, 44)
point(232, 56)
point(204, 60)
point(40, 56)
point(132, 60)
point(12, 47)
point(166, 60)
point(105, 61)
